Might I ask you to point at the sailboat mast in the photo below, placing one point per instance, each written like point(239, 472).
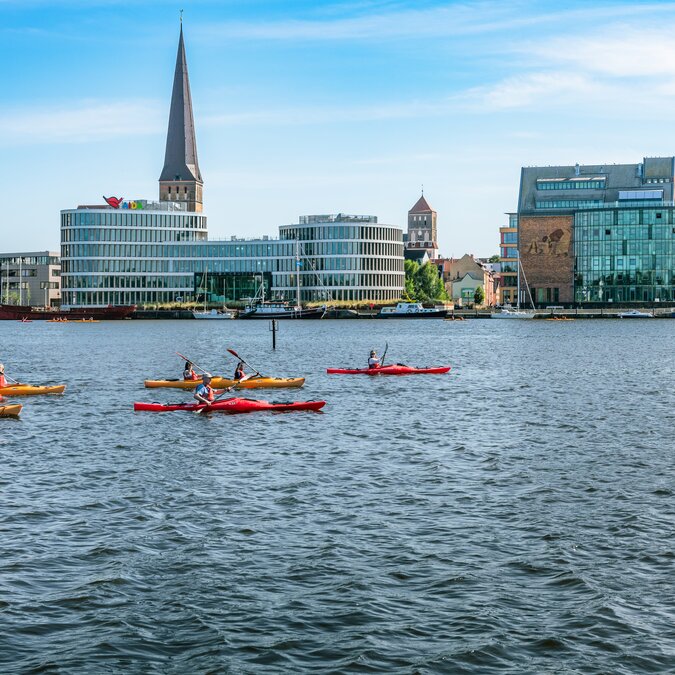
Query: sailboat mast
point(518, 296)
point(297, 273)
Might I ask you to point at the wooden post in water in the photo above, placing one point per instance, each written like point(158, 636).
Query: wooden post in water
point(273, 327)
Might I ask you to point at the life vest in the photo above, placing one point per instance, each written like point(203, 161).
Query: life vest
point(206, 392)
point(3, 381)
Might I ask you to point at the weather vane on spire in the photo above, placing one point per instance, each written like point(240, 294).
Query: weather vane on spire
point(422, 189)
point(181, 16)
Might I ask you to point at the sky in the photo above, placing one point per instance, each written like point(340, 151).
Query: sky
point(306, 107)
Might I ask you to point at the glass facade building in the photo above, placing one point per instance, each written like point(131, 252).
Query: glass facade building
point(158, 254)
point(625, 255)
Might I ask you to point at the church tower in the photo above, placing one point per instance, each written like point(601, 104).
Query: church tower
point(181, 180)
point(422, 230)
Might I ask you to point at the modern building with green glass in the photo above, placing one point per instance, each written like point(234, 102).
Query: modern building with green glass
point(598, 234)
point(147, 252)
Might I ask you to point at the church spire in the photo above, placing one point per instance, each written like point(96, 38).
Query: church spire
point(181, 180)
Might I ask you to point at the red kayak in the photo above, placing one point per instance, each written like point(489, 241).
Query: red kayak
point(232, 405)
point(396, 369)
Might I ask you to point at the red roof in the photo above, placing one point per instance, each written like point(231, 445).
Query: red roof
point(421, 206)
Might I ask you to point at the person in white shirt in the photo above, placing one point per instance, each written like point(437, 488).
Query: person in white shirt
point(373, 361)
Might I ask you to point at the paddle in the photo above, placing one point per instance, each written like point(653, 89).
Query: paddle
point(225, 391)
point(185, 358)
point(386, 346)
point(244, 362)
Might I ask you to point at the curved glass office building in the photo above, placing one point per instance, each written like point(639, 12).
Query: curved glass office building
point(345, 257)
point(160, 254)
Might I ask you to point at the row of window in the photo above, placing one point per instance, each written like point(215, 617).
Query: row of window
point(74, 234)
point(624, 247)
point(280, 282)
point(595, 184)
point(141, 297)
point(626, 217)
point(623, 293)
point(620, 263)
point(567, 203)
point(318, 233)
point(28, 260)
point(137, 219)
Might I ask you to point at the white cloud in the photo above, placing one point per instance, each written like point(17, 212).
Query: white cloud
point(84, 121)
point(444, 21)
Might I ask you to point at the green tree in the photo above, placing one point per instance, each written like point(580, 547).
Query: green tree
point(494, 258)
point(479, 296)
point(423, 283)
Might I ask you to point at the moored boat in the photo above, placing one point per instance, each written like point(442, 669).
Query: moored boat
point(223, 383)
point(394, 369)
point(212, 314)
point(20, 312)
point(10, 410)
point(635, 314)
point(31, 390)
point(281, 310)
point(232, 405)
point(411, 310)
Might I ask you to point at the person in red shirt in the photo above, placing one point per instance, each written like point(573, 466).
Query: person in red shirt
point(3, 379)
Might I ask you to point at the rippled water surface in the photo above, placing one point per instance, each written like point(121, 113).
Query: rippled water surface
point(514, 516)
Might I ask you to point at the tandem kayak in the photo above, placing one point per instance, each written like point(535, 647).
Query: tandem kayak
point(222, 383)
point(10, 410)
point(31, 390)
point(231, 405)
point(396, 369)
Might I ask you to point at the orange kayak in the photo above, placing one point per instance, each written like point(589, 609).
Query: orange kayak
point(31, 390)
point(10, 410)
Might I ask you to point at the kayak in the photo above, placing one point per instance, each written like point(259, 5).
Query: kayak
point(222, 383)
point(396, 369)
point(231, 405)
point(10, 410)
point(31, 390)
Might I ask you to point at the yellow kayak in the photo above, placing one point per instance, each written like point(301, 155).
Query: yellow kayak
point(10, 410)
point(31, 390)
point(222, 383)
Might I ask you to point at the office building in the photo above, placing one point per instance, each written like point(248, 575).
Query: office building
point(598, 234)
point(30, 278)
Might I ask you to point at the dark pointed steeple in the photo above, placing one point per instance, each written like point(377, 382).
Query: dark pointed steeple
point(181, 179)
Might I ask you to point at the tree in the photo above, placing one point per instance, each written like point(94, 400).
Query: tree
point(423, 283)
point(494, 258)
point(479, 296)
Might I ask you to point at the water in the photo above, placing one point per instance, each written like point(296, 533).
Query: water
point(515, 516)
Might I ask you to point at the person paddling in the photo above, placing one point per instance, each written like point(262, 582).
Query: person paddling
point(189, 373)
point(205, 393)
point(373, 361)
point(239, 371)
point(3, 379)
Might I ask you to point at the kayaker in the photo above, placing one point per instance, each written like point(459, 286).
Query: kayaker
point(373, 361)
point(3, 380)
point(205, 393)
point(239, 371)
point(189, 373)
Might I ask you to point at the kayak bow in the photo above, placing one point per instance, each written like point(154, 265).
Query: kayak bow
point(10, 410)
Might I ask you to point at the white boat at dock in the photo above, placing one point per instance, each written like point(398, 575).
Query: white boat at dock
point(635, 314)
point(213, 314)
point(410, 310)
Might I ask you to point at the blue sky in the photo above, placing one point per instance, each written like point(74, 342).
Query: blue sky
point(322, 107)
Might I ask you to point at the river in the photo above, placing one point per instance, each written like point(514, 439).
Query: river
point(514, 516)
